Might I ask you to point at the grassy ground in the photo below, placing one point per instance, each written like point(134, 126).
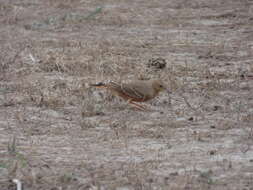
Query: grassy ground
point(57, 133)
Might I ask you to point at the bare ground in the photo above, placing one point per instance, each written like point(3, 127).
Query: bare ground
point(58, 133)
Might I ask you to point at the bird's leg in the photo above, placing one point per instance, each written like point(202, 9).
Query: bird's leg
point(138, 106)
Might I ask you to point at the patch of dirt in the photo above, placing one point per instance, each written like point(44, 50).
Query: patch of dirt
point(58, 133)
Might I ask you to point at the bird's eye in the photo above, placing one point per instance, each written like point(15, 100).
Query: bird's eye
point(161, 86)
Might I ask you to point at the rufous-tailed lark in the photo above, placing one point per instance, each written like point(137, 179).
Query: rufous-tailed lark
point(135, 91)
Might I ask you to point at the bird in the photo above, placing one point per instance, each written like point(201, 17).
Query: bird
point(135, 90)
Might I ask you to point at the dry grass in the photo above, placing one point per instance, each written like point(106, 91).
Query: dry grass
point(58, 133)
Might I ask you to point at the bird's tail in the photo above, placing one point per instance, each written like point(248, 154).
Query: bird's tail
point(100, 84)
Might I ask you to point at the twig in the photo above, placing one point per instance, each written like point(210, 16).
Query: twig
point(18, 183)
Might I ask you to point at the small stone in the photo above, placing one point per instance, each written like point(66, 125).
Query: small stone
point(215, 108)
point(157, 63)
point(190, 119)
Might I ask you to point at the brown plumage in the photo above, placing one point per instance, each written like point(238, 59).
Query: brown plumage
point(134, 91)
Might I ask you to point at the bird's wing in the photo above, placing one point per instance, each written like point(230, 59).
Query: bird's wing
point(131, 90)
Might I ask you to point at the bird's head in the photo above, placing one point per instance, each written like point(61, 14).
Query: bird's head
point(159, 86)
